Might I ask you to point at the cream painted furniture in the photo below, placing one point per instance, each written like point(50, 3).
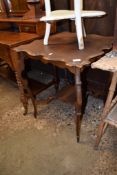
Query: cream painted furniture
point(77, 14)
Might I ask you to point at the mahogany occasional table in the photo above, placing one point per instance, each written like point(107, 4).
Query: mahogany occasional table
point(10, 40)
point(62, 52)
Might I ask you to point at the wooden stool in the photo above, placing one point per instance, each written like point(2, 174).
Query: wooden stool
point(108, 63)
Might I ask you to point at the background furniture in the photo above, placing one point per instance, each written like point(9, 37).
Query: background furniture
point(61, 52)
point(77, 14)
point(20, 16)
point(9, 40)
point(25, 15)
point(15, 8)
point(109, 63)
point(109, 115)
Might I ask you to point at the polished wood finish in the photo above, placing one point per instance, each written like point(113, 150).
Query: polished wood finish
point(9, 40)
point(62, 52)
point(26, 16)
point(15, 8)
point(63, 49)
point(2, 9)
point(35, 9)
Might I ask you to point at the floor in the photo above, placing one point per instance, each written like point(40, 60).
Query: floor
point(47, 145)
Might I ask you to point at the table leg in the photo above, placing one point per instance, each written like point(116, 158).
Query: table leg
point(18, 64)
point(78, 107)
point(29, 93)
point(56, 78)
point(23, 98)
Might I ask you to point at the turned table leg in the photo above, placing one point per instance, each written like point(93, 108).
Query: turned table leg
point(30, 94)
point(18, 65)
point(56, 78)
point(26, 93)
point(23, 98)
point(78, 107)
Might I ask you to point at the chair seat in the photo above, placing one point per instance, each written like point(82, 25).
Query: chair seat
point(70, 14)
point(106, 63)
point(77, 14)
point(59, 15)
point(92, 13)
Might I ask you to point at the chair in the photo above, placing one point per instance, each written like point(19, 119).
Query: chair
point(109, 116)
point(109, 63)
point(77, 14)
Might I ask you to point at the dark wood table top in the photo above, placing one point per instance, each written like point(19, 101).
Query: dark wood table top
point(13, 39)
point(63, 49)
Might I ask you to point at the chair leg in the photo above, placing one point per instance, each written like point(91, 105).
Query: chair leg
point(47, 33)
point(106, 108)
point(101, 131)
point(79, 32)
point(83, 28)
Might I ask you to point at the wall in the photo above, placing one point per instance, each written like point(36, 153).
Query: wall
point(104, 26)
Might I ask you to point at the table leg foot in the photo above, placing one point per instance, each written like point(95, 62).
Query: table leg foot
point(35, 107)
point(24, 101)
point(78, 126)
point(25, 111)
point(101, 131)
point(78, 139)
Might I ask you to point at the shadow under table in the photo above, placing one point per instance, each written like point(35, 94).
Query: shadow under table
point(61, 52)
